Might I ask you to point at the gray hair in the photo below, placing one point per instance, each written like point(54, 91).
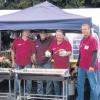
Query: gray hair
point(59, 30)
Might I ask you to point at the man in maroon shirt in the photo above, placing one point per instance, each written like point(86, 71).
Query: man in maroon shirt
point(61, 50)
point(87, 59)
point(22, 51)
point(41, 45)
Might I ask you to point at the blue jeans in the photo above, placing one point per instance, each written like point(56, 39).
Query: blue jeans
point(92, 77)
point(40, 89)
point(57, 87)
point(28, 82)
point(98, 77)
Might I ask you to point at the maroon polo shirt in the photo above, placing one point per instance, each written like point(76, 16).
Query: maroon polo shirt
point(59, 61)
point(87, 46)
point(41, 47)
point(23, 51)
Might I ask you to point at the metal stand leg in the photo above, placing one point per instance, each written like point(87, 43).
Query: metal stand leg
point(66, 86)
point(24, 90)
point(20, 89)
point(10, 88)
point(65, 90)
point(14, 88)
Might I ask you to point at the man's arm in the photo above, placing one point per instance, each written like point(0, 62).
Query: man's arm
point(69, 53)
point(13, 57)
point(78, 61)
point(93, 60)
point(33, 58)
point(94, 48)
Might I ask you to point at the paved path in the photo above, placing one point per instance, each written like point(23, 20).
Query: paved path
point(4, 88)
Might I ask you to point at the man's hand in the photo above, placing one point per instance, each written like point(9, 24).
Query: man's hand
point(63, 53)
point(91, 68)
point(33, 66)
point(47, 54)
point(13, 64)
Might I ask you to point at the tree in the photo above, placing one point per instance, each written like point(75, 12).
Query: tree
point(21, 4)
point(59, 3)
point(75, 3)
point(24, 4)
point(2, 2)
point(92, 3)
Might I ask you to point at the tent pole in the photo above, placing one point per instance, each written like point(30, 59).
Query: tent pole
point(0, 41)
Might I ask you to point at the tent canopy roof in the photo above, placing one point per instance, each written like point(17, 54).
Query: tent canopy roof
point(42, 16)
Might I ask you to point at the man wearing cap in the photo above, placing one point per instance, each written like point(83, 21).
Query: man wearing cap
point(60, 50)
point(22, 51)
point(41, 45)
point(87, 58)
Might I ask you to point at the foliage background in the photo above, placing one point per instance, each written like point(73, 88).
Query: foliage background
point(21, 4)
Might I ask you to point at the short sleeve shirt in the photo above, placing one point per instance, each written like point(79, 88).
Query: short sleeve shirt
point(59, 61)
point(23, 51)
point(87, 46)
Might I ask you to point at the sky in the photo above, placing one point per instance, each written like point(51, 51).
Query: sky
point(87, 12)
point(6, 12)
